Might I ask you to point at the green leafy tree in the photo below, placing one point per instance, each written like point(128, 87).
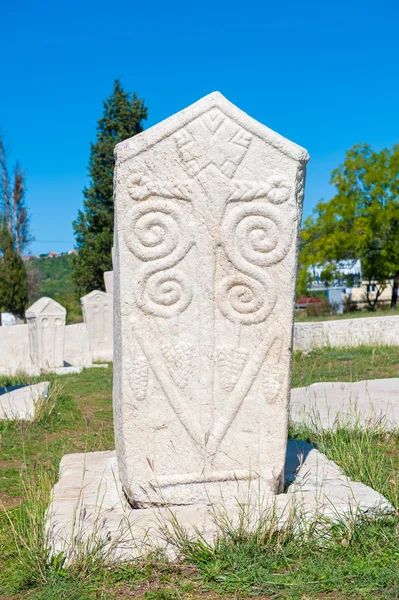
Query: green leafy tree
point(13, 279)
point(94, 228)
point(361, 221)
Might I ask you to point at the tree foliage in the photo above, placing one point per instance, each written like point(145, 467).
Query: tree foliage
point(13, 279)
point(361, 221)
point(122, 118)
point(12, 202)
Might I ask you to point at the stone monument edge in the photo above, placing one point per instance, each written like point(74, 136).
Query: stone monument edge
point(144, 141)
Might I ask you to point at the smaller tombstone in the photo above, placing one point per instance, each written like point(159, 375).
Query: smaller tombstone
point(98, 316)
point(46, 325)
point(109, 282)
point(7, 319)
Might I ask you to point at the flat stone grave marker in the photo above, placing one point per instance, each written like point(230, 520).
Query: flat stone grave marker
point(208, 206)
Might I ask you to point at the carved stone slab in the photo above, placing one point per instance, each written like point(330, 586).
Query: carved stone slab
point(109, 282)
point(98, 316)
point(46, 324)
point(208, 206)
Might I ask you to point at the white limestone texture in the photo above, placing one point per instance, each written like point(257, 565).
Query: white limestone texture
point(21, 346)
point(208, 205)
point(76, 346)
point(366, 404)
point(14, 350)
point(89, 511)
point(19, 402)
point(46, 324)
point(109, 282)
point(97, 309)
point(347, 332)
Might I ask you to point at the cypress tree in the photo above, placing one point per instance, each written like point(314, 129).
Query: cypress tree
point(94, 228)
point(13, 278)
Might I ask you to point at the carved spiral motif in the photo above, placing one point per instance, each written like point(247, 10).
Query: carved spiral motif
point(256, 237)
point(166, 293)
point(244, 300)
point(153, 231)
point(259, 236)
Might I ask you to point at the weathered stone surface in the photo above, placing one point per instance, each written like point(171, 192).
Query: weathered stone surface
point(89, 509)
point(371, 403)
point(46, 324)
point(347, 332)
point(98, 316)
point(208, 205)
point(19, 402)
point(109, 282)
point(76, 346)
point(14, 350)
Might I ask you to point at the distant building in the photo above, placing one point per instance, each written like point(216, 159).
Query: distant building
point(358, 295)
point(348, 272)
point(73, 252)
point(27, 257)
point(53, 255)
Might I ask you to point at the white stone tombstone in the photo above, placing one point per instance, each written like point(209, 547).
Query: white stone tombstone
point(7, 319)
point(208, 207)
point(97, 314)
point(109, 282)
point(46, 324)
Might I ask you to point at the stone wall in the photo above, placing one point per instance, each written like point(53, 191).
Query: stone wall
point(347, 332)
point(76, 345)
point(15, 354)
point(15, 350)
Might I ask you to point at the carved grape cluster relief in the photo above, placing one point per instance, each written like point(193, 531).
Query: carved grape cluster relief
point(179, 357)
point(231, 362)
point(138, 376)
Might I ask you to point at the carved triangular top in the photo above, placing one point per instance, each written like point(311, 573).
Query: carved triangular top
point(45, 306)
point(96, 296)
point(144, 141)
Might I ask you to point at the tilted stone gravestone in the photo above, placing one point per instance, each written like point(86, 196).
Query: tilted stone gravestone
point(98, 316)
point(46, 324)
point(208, 206)
point(109, 282)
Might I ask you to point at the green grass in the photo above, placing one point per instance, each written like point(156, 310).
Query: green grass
point(345, 364)
point(80, 421)
point(359, 562)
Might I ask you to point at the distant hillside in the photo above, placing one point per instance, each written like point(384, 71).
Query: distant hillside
point(52, 277)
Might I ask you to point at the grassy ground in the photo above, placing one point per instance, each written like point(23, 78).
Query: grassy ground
point(345, 364)
point(359, 562)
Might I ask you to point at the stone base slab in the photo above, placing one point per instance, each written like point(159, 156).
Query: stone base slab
point(326, 405)
point(89, 512)
point(19, 402)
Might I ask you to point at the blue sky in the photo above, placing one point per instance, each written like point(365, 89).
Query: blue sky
point(323, 74)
